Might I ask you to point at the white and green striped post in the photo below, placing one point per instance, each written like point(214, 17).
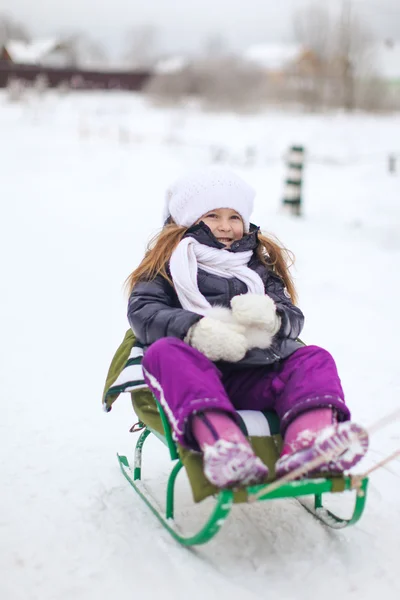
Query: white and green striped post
point(292, 197)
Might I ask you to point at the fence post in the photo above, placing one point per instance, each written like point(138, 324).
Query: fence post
point(250, 156)
point(293, 183)
point(392, 163)
point(218, 154)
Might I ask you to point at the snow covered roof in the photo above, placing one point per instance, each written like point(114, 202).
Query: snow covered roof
point(30, 53)
point(272, 56)
point(171, 64)
point(388, 59)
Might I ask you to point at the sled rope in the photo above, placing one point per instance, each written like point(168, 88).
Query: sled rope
point(319, 460)
point(381, 463)
point(378, 425)
point(299, 472)
point(394, 416)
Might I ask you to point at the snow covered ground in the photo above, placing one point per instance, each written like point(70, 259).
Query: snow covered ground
point(81, 185)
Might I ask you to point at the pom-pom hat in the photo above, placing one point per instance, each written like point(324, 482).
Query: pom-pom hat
point(197, 193)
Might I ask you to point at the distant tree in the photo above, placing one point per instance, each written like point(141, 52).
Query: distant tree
point(341, 47)
point(352, 53)
point(141, 47)
point(96, 54)
point(215, 46)
point(313, 30)
point(82, 50)
point(10, 29)
point(85, 51)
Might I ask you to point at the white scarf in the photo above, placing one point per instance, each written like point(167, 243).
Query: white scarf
point(190, 254)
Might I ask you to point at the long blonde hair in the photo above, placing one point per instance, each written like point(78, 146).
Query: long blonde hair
point(269, 251)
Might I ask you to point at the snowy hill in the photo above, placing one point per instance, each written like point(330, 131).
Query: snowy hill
point(82, 184)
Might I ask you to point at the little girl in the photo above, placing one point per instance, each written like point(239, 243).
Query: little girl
point(213, 303)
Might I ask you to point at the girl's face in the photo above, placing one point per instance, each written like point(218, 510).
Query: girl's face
point(225, 223)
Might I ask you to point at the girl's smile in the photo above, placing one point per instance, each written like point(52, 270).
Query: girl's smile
point(226, 225)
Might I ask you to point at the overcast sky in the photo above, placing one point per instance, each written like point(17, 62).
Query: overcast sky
point(184, 24)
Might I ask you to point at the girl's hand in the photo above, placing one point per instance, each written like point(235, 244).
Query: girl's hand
point(218, 340)
point(256, 310)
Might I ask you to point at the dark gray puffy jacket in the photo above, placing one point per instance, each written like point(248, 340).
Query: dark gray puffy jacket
point(154, 310)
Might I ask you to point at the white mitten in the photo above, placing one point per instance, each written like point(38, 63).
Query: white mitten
point(218, 340)
point(256, 310)
point(256, 336)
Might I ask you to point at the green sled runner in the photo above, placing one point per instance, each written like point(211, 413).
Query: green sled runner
point(125, 375)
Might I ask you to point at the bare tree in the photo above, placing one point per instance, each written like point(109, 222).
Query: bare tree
point(337, 56)
point(313, 30)
point(352, 55)
point(95, 53)
point(219, 83)
point(141, 46)
point(83, 51)
point(10, 29)
point(215, 46)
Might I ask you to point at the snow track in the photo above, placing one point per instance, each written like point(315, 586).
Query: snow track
point(77, 208)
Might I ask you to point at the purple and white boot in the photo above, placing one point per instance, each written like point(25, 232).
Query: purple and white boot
point(313, 436)
point(228, 458)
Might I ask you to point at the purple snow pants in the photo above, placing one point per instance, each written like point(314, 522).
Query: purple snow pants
point(185, 382)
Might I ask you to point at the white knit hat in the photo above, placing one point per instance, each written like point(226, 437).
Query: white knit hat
point(194, 195)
